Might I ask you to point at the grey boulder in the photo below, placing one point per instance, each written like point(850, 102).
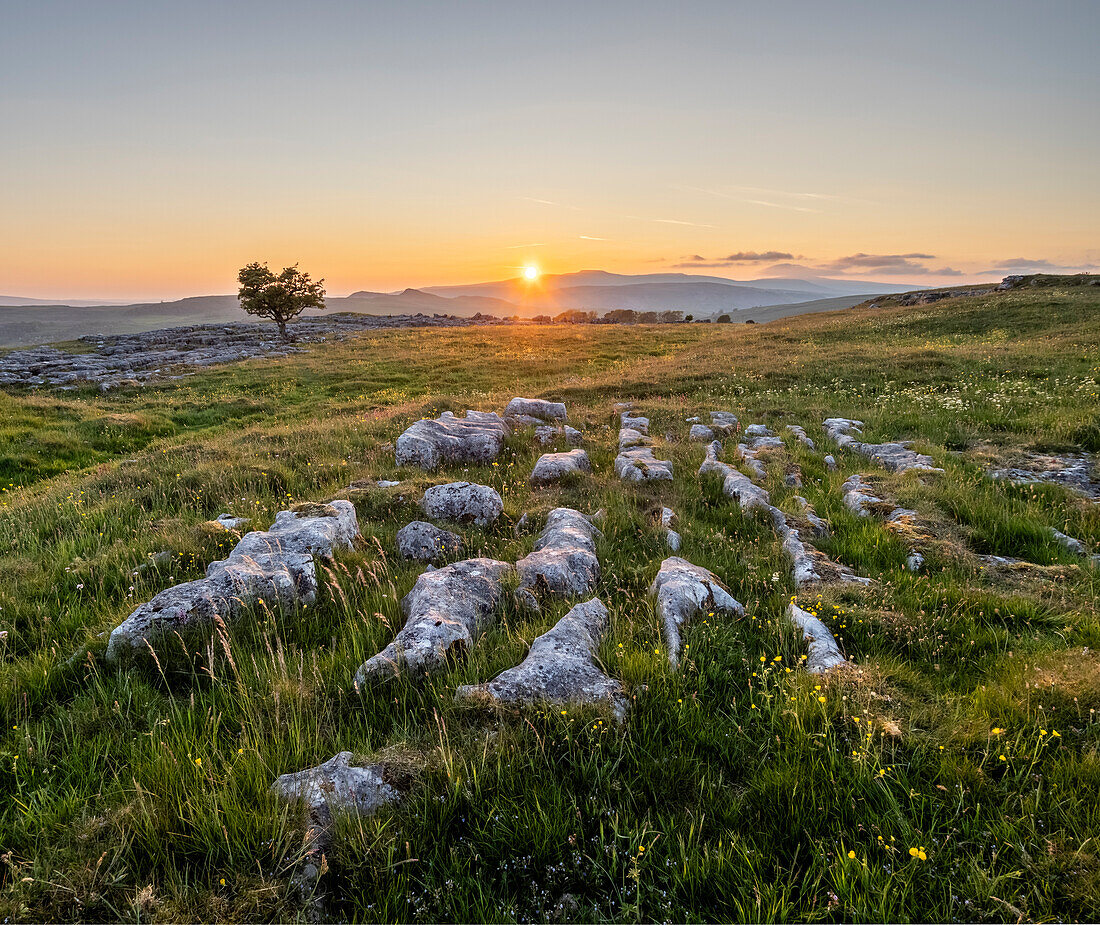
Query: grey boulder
point(336, 787)
point(522, 412)
point(427, 543)
point(463, 503)
point(428, 443)
point(563, 562)
point(683, 592)
point(553, 467)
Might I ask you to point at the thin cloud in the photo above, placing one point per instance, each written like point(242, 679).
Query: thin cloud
point(550, 202)
point(514, 247)
point(590, 237)
point(676, 221)
point(779, 205)
point(1039, 263)
point(697, 260)
point(879, 263)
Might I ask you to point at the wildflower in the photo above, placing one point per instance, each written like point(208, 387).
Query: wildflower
point(198, 762)
point(1003, 758)
point(851, 854)
point(821, 698)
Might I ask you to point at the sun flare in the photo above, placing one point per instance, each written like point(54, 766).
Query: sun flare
point(531, 273)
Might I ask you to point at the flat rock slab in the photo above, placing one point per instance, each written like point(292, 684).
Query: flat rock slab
point(897, 457)
point(751, 452)
point(553, 467)
point(759, 430)
point(634, 422)
point(629, 437)
point(701, 433)
point(823, 652)
point(685, 591)
point(560, 668)
point(724, 423)
point(638, 464)
point(429, 443)
point(273, 566)
point(1076, 471)
point(336, 787)
point(446, 611)
point(463, 503)
point(861, 500)
point(524, 412)
point(427, 543)
point(563, 562)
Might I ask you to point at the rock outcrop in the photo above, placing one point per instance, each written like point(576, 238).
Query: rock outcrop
point(273, 566)
point(897, 457)
point(683, 592)
point(463, 503)
point(757, 446)
point(336, 787)
point(860, 499)
point(668, 522)
point(639, 464)
point(563, 562)
point(1076, 471)
point(823, 652)
point(553, 467)
point(431, 442)
point(526, 412)
point(800, 435)
point(560, 668)
point(446, 611)
point(548, 433)
point(735, 484)
point(427, 543)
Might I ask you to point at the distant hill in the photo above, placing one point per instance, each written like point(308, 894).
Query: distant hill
point(24, 322)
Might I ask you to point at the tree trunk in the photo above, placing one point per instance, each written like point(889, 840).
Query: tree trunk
point(281, 322)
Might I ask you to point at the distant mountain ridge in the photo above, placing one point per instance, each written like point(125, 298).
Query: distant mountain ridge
point(28, 321)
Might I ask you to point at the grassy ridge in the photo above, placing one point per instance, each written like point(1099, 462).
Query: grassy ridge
point(737, 789)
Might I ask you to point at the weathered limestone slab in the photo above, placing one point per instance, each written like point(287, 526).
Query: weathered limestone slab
point(559, 669)
point(548, 433)
point(446, 611)
point(427, 543)
point(1076, 471)
point(629, 437)
point(463, 503)
point(273, 566)
point(685, 591)
point(634, 422)
point(823, 651)
point(701, 433)
point(230, 522)
point(751, 451)
point(810, 565)
point(563, 562)
point(860, 499)
point(897, 457)
point(336, 787)
point(759, 430)
point(668, 522)
point(735, 484)
point(638, 464)
point(523, 412)
point(724, 423)
point(553, 467)
point(819, 526)
point(477, 438)
point(800, 435)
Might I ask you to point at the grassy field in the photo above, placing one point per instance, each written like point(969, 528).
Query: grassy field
point(951, 772)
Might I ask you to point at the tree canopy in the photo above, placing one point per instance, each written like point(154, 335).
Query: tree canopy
point(280, 298)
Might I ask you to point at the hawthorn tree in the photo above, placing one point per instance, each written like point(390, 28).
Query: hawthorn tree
point(281, 298)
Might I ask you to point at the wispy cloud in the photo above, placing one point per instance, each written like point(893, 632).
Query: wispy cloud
point(697, 260)
point(676, 221)
point(550, 202)
point(880, 263)
point(779, 205)
point(590, 237)
point(515, 247)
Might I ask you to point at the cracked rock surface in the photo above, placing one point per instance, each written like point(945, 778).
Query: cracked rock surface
point(463, 503)
point(563, 562)
point(685, 591)
point(560, 668)
point(735, 484)
point(897, 457)
point(552, 467)
point(638, 464)
point(524, 412)
point(668, 522)
point(548, 433)
point(800, 435)
point(427, 543)
point(336, 786)
point(274, 566)
point(431, 442)
point(446, 611)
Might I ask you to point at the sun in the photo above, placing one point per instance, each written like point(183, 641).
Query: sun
point(531, 273)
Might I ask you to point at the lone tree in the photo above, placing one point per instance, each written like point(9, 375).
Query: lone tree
point(281, 298)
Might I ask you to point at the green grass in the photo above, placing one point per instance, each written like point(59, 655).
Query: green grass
point(735, 790)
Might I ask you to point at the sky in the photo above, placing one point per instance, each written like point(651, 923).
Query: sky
point(149, 150)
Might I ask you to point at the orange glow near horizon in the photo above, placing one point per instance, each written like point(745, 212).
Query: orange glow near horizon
point(531, 273)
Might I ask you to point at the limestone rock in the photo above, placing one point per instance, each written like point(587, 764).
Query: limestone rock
point(819, 526)
point(553, 467)
point(735, 484)
point(638, 464)
point(523, 412)
point(668, 522)
point(634, 422)
point(830, 463)
point(896, 457)
point(701, 433)
point(559, 669)
point(336, 787)
point(273, 566)
point(426, 543)
point(629, 437)
point(800, 435)
point(724, 423)
point(548, 433)
point(823, 651)
point(446, 611)
point(759, 430)
point(463, 503)
point(477, 438)
point(563, 562)
point(230, 522)
point(685, 591)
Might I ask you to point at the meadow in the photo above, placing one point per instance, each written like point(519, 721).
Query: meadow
point(950, 772)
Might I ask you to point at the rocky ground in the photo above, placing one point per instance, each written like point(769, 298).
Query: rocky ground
point(133, 359)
